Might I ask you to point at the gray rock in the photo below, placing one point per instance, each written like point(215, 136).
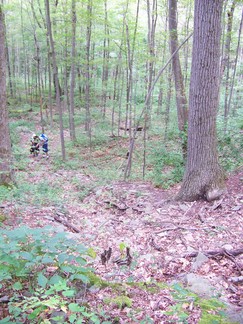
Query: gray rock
point(235, 315)
point(200, 285)
point(200, 260)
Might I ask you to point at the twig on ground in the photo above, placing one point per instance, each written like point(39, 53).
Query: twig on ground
point(213, 253)
point(67, 224)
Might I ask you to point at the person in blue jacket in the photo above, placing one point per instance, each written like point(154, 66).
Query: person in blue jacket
point(44, 143)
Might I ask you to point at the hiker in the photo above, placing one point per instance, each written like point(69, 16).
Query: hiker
point(44, 143)
point(35, 145)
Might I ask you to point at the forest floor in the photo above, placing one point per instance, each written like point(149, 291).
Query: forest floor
point(160, 232)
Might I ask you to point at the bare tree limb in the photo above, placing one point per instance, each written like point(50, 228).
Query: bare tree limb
point(146, 104)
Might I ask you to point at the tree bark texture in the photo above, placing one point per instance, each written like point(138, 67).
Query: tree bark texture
point(203, 176)
point(181, 100)
point(6, 172)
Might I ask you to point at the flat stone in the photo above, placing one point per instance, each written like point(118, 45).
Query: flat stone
point(200, 286)
point(200, 260)
point(235, 315)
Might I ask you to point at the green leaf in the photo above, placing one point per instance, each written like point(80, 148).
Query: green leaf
point(73, 307)
point(80, 260)
point(36, 312)
point(57, 319)
point(69, 293)
point(72, 318)
point(60, 286)
point(95, 319)
point(55, 279)
point(122, 246)
point(80, 320)
point(17, 286)
point(80, 276)
point(67, 268)
point(26, 256)
point(6, 320)
point(91, 252)
point(81, 249)
point(19, 233)
point(42, 280)
point(63, 257)
point(47, 259)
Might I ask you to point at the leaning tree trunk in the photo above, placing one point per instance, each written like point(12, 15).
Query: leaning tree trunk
point(203, 176)
point(6, 172)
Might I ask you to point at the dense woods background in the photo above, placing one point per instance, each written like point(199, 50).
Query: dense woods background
point(97, 61)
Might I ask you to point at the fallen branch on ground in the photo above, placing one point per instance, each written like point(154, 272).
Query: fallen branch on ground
point(67, 224)
point(236, 280)
point(230, 254)
point(215, 253)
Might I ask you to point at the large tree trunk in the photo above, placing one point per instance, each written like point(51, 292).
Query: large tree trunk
point(203, 176)
point(6, 172)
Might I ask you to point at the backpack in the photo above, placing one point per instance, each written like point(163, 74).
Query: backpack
point(43, 137)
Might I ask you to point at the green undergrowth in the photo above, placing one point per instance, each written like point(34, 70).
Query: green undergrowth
point(44, 272)
point(103, 156)
point(212, 309)
point(47, 277)
point(166, 165)
point(230, 144)
point(42, 193)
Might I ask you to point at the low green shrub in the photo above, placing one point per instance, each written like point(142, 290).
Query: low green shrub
point(42, 272)
point(167, 167)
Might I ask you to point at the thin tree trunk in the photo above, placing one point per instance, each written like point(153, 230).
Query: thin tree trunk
point(152, 22)
point(187, 49)
point(6, 170)
point(227, 63)
point(235, 63)
point(160, 96)
point(181, 100)
point(49, 83)
point(50, 106)
point(168, 102)
point(130, 61)
point(9, 72)
point(55, 72)
point(132, 142)
point(121, 89)
point(116, 96)
point(105, 61)
point(38, 60)
point(24, 47)
point(66, 74)
point(73, 75)
point(87, 72)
